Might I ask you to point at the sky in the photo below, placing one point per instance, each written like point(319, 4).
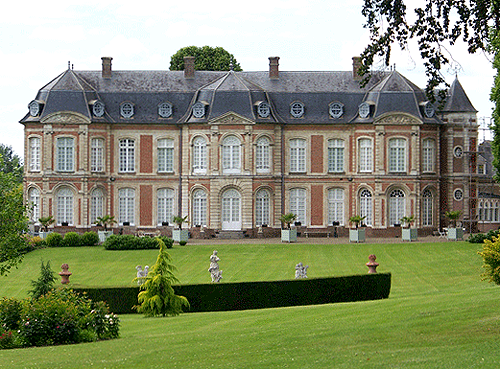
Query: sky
point(38, 39)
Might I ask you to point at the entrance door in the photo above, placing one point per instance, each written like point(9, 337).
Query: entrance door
point(231, 210)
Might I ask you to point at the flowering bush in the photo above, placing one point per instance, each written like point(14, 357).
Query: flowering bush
point(10, 313)
point(7, 339)
point(37, 242)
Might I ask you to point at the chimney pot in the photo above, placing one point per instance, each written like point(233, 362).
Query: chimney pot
point(106, 66)
point(274, 72)
point(356, 64)
point(189, 67)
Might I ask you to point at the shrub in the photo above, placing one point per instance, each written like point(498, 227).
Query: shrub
point(169, 243)
point(10, 313)
point(480, 237)
point(9, 339)
point(89, 239)
point(130, 242)
point(37, 242)
point(53, 239)
point(182, 243)
point(71, 239)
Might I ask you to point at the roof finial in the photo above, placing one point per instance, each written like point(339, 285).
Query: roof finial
point(69, 65)
point(231, 66)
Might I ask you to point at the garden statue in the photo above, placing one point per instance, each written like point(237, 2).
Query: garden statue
point(65, 274)
point(301, 271)
point(141, 274)
point(372, 265)
point(215, 273)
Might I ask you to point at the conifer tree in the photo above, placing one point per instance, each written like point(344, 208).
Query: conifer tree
point(44, 283)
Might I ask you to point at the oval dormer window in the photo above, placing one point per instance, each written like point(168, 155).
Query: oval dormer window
point(364, 110)
point(98, 109)
point(336, 110)
point(165, 110)
point(127, 110)
point(34, 108)
point(297, 110)
point(429, 110)
point(263, 110)
point(198, 110)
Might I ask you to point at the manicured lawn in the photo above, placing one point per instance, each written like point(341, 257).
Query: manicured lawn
point(439, 314)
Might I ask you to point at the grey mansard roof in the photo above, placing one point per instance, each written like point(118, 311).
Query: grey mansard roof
point(238, 92)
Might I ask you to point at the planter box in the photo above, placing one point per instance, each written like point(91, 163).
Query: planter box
point(179, 235)
point(103, 235)
point(43, 234)
point(289, 235)
point(409, 234)
point(357, 235)
point(455, 234)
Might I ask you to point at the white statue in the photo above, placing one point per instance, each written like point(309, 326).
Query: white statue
point(141, 274)
point(301, 271)
point(215, 273)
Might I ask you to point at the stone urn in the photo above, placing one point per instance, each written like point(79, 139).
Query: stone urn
point(65, 274)
point(372, 265)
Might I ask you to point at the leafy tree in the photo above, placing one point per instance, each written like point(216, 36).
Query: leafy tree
point(44, 283)
point(495, 98)
point(11, 163)
point(13, 222)
point(206, 58)
point(157, 296)
point(491, 259)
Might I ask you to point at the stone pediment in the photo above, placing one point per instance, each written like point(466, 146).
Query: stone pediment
point(66, 117)
point(398, 119)
point(231, 118)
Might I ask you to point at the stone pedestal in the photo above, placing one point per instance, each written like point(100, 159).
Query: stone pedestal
point(372, 265)
point(65, 274)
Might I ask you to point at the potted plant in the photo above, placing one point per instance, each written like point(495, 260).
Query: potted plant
point(288, 234)
point(407, 232)
point(180, 234)
point(105, 221)
point(45, 222)
point(454, 233)
point(357, 234)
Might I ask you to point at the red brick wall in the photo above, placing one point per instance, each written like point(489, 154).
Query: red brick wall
point(146, 154)
point(316, 205)
point(316, 154)
point(146, 205)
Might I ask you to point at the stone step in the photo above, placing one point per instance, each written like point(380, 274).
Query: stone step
point(231, 235)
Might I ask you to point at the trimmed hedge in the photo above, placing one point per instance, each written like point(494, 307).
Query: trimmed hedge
point(131, 242)
point(258, 295)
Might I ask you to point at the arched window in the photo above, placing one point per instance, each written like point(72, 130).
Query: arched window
point(126, 211)
point(427, 208)
point(199, 155)
point(263, 155)
point(96, 204)
point(231, 156)
point(366, 206)
point(365, 155)
point(262, 207)
point(397, 155)
point(165, 201)
point(64, 201)
point(480, 211)
point(336, 206)
point(335, 156)
point(396, 206)
point(34, 203)
point(298, 204)
point(495, 214)
point(199, 207)
point(428, 155)
point(297, 155)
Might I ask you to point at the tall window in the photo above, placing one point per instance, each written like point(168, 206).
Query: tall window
point(34, 153)
point(165, 205)
point(365, 155)
point(64, 201)
point(231, 158)
point(427, 208)
point(396, 206)
point(127, 155)
point(298, 204)
point(366, 206)
point(166, 155)
point(297, 155)
point(65, 154)
point(428, 155)
point(397, 155)
point(263, 155)
point(126, 203)
point(34, 203)
point(335, 156)
point(336, 206)
point(199, 207)
point(199, 155)
point(96, 204)
point(97, 155)
point(262, 207)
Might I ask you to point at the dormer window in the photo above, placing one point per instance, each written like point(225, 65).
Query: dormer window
point(429, 110)
point(34, 108)
point(297, 109)
point(198, 110)
point(165, 110)
point(264, 110)
point(336, 110)
point(98, 109)
point(364, 110)
point(127, 110)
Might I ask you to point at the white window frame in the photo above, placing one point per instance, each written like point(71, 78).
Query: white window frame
point(126, 205)
point(165, 155)
point(366, 206)
point(397, 206)
point(365, 146)
point(298, 155)
point(335, 155)
point(231, 155)
point(199, 210)
point(165, 205)
point(126, 155)
point(336, 201)
point(427, 208)
point(397, 155)
point(262, 207)
point(34, 153)
point(263, 155)
point(298, 204)
point(199, 155)
point(96, 204)
point(97, 155)
point(64, 206)
point(429, 155)
point(65, 154)
point(34, 203)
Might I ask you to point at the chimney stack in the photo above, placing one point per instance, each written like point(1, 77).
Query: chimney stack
point(274, 72)
point(106, 66)
point(356, 64)
point(189, 67)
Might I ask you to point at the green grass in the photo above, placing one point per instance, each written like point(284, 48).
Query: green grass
point(439, 314)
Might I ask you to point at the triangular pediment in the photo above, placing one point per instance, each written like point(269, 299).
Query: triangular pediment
point(398, 119)
point(231, 118)
point(66, 117)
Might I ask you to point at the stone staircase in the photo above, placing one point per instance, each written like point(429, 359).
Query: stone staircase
point(226, 235)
